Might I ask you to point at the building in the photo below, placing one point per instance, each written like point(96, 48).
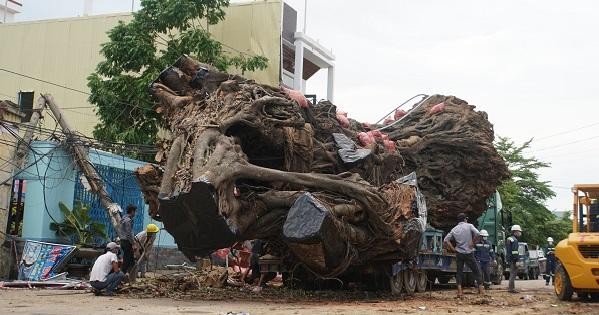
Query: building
point(8, 9)
point(9, 117)
point(65, 51)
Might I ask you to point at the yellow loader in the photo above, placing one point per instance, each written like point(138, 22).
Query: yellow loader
point(577, 256)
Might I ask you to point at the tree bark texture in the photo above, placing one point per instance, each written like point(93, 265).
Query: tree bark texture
point(298, 177)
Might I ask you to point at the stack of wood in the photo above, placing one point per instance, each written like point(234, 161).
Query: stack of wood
point(250, 161)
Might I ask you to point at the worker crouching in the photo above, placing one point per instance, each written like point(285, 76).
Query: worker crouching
point(106, 273)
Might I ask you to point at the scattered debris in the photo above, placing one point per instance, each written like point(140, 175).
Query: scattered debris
point(173, 285)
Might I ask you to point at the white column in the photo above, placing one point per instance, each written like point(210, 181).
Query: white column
point(299, 65)
point(330, 83)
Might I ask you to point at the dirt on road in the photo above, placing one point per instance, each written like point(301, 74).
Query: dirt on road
point(535, 298)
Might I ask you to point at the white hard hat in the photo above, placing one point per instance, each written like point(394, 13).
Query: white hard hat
point(516, 227)
point(550, 239)
point(112, 245)
point(484, 233)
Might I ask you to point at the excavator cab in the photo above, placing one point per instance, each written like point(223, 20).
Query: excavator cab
point(578, 256)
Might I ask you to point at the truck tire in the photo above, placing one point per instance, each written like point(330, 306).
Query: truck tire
point(443, 279)
point(498, 276)
point(562, 286)
point(532, 274)
point(468, 280)
point(396, 283)
point(421, 281)
point(409, 281)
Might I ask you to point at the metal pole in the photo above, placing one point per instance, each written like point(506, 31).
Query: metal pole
point(5, 10)
point(305, 15)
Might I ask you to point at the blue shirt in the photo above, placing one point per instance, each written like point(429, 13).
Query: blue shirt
point(463, 234)
point(484, 251)
point(511, 249)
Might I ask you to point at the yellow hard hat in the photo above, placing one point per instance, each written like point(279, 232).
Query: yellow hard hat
point(152, 228)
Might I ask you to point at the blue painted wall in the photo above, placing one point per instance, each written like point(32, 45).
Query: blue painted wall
point(54, 178)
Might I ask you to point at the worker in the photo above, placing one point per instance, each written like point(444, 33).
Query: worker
point(484, 255)
point(511, 250)
point(105, 273)
point(550, 254)
point(464, 235)
point(127, 238)
point(144, 241)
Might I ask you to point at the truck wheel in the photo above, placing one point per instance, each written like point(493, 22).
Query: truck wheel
point(498, 272)
point(396, 283)
point(421, 281)
point(443, 279)
point(531, 274)
point(409, 281)
point(563, 287)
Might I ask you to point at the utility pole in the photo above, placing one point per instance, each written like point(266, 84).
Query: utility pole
point(23, 148)
point(82, 159)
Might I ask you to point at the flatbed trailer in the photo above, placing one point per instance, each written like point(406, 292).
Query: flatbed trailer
point(432, 263)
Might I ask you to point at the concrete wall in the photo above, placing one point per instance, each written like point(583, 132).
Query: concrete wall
point(66, 51)
point(52, 180)
point(8, 113)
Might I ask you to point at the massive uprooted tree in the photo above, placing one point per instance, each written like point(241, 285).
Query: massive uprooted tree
point(250, 161)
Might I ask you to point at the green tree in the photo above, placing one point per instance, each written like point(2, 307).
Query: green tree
point(159, 33)
point(525, 194)
point(559, 228)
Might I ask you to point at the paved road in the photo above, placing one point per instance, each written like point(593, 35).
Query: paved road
point(535, 298)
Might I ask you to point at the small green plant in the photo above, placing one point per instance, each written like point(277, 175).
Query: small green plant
point(78, 224)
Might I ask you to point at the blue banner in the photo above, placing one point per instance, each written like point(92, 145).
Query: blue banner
point(40, 260)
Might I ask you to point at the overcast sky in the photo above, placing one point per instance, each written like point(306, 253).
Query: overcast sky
point(531, 65)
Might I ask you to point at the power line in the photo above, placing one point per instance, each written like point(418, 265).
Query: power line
point(565, 144)
point(71, 89)
point(568, 131)
point(44, 81)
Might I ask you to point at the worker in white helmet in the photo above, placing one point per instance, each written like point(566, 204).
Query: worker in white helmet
point(484, 255)
point(550, 254)
point(511, 250)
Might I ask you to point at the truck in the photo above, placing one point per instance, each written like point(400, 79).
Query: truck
point(527, 266)
point(577, 256)
point(436, 264)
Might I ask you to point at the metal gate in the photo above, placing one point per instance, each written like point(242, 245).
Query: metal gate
point(122, 187)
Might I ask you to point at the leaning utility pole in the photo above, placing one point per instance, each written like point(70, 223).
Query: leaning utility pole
point(82, 159)
point(23, 147)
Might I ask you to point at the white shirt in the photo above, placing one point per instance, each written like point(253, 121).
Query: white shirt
point(142, 239)
point(462, 234)
point(102, 267)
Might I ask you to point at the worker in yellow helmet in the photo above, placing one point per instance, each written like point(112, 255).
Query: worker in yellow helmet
point(144, 240)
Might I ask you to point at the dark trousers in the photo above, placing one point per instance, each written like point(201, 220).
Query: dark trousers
point(470, 261)
point(550, 269)
point(112, 281)
point(484, 268)
point(128, 258)
point(513, 272)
